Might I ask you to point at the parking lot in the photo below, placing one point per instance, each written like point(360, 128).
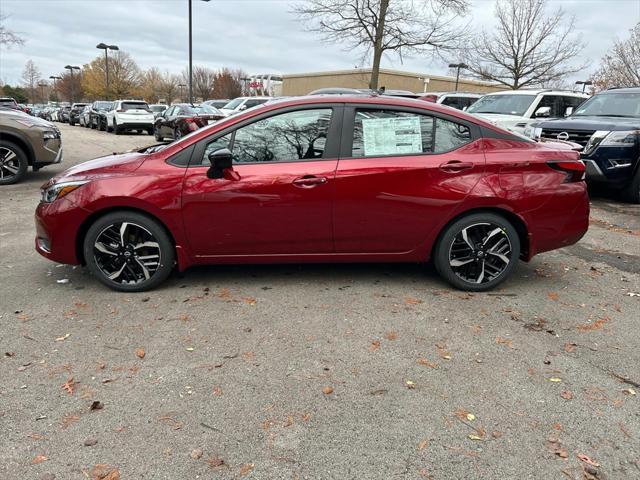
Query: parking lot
point(319, 371)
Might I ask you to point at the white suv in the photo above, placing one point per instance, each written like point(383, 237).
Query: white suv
point(239, 104)
point(130, 115)
point(515, 109)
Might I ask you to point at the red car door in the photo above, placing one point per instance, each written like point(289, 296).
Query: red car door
point(399, 176)
point(277, 198)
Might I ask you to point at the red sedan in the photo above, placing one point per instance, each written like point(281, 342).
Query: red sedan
point(320, 179)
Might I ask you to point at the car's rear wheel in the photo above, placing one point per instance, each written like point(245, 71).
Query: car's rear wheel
point(150, 131)
point(477, 252)
point(13, 163)
point(156, 134)
point(632, 192)
point(128, 251)
point(116, 129)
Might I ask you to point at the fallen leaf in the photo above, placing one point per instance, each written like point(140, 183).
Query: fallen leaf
point(442, 351)
point(423, 444)
point(427, 363)
point(391, 335)
point(190, 349)
point(569, 347)
point(196, 453)
point(504, 341)
point(39, 459)
point(556, 447)
point(140, 352)
point(68, 420)
point(566, 394)
point(214, 462)
point(96, 405)
point(553, 296)
point(327, 390)
point(374, 345)
point(105, 472)
point(471, 417)
point(461, 413)
point(597, 325)
point(587, 460)
point(217, 391)
point(412, 301)
point(245, 469)
point(474, 437)
point(410, 384)
point(68, 386)
point(555, 379)
point(60, 339)
point(249, 300)
point(629, 391)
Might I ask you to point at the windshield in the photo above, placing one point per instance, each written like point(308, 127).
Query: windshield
point(103, 105)
point(134, 106)
point(205, 110)
point(233, 103)
point(610, 105)
point(503, 104)
point(158, 108)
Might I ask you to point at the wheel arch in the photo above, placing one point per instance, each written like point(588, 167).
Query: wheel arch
point(84, 228)
point(515, 220)
point(21, 142)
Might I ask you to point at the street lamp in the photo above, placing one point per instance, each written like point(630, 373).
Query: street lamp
point(180, 86)
point(106, 48)
point(458, 66)
point(42, 85)
point(71, 68)
point(55, 86)
point(584, 84)
point(191, 55)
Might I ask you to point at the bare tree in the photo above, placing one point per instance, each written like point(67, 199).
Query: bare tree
point(30, 77)
point(527, 47)
point(8, 37)
point(620, 67)
point(376, 27)
point(169, 87)
point(203, 79)
point(228, 83)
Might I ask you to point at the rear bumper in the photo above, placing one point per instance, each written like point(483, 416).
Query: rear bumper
point(135, 125)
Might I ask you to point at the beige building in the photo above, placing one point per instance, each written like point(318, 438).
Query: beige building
point(303, 83)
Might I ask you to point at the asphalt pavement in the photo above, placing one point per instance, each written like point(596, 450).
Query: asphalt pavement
point(319, 371)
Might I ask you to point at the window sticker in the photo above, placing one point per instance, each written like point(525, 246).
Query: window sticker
point(391, 136)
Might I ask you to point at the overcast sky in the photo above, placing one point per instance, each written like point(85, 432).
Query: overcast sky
point(259, 36)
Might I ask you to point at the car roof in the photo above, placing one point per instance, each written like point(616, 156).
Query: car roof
point(621, 90)
point(527, 91)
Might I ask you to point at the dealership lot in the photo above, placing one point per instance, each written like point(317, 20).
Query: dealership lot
point(319, 371)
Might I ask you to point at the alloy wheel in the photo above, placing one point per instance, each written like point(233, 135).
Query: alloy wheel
point(480, 253)
point(127, 253)
point(9, 163)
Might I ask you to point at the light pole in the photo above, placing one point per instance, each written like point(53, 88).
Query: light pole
point(458, 66)
point(191, 55)
point(584, 84)
point(55, 86)
point(71, 68)
point(42, 85)
point(106, 48)
point(181, 86)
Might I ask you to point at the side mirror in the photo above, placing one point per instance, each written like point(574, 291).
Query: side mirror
point(568, 111)
point(543, 112)
point(221, 160)
point(242, 107)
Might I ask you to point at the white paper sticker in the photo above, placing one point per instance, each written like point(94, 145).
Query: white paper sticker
point(391, 136)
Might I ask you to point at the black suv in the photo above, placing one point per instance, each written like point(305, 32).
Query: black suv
point(608, 128)
point(74, 113)
point(98, 114)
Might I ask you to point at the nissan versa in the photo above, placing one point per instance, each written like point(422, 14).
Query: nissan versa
point(320, 179)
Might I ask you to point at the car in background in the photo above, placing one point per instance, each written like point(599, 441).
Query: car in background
point(63, 114)
point(26, 141)
point(74, 113)
point(457, 100)
point(239, 104)
point(129, 115)
point(364, 91)
point(157, 109)
point(9, 102)
point(83, 118)
point(98, 114)
point(320, 179)
point(607, 126)
point(217, 103)
point(515, 109)
point(181, 119)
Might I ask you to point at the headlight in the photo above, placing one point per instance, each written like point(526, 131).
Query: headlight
point(625, 138)
point(533, 132)
point(595, 139)
point(49, 134)
point(59, 190)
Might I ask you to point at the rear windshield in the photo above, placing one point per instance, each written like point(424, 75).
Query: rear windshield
point(8, 101)
point(233, 103)
point(102, 105)
point(158, 108)
point(134, 106)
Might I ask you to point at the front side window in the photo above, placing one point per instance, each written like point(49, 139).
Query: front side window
point(389, 132)
point(292, 136)
point(253, 103)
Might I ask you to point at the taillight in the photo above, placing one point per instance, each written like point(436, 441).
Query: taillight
point(574, 169)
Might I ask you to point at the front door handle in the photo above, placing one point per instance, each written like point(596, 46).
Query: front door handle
point(455, 166)
point(309, 181)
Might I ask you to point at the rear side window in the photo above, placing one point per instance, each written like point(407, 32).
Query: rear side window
point(253, 103)
point(389, 132)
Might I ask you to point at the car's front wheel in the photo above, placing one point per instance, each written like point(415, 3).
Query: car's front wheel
point(632, 192)
point(128, 251)
point(13, 163)
point(477, 252)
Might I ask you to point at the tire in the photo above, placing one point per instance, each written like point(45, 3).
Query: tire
point(116, 129)
point(72, 122)
point(101, 126)
point(150, 131)
point(177, 134)
point(130, 269)
point(156, 134)
point(490, 240)
point(632, 192)
point(13, 163)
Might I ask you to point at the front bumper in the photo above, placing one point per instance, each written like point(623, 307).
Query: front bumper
point(57, 227)
point(593, 171)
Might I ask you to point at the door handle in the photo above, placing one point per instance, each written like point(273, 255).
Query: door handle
point(455, 166)
point(309, 181)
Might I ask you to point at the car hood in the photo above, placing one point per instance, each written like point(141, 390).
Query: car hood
point(591, 123)
point(101, 167)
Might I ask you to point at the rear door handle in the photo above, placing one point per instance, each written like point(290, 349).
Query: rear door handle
point(455, 166)
point(309, 181)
